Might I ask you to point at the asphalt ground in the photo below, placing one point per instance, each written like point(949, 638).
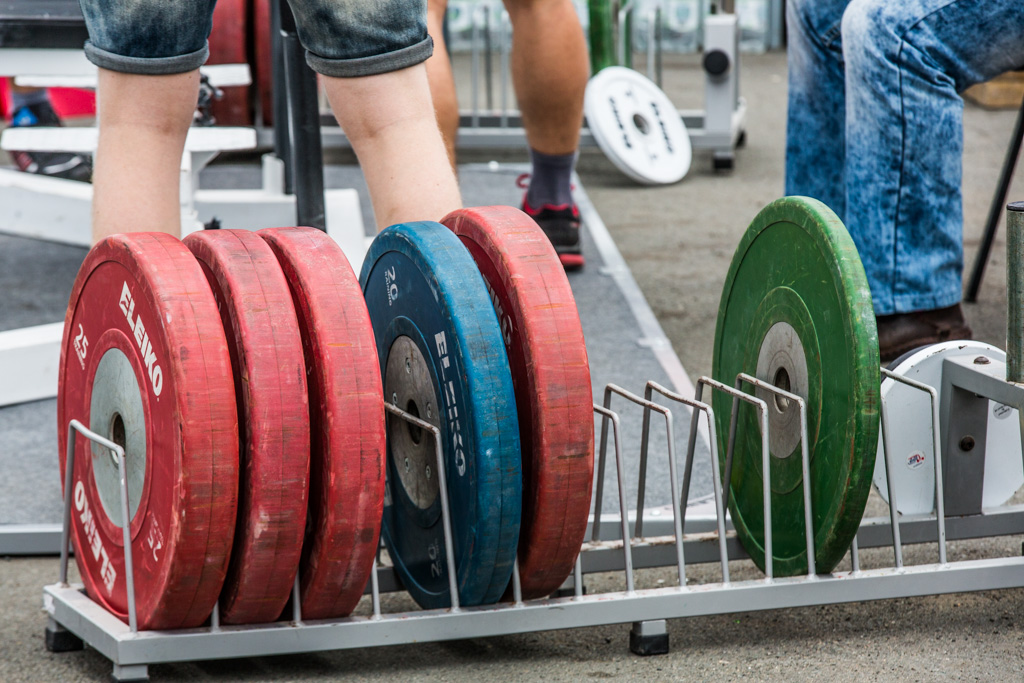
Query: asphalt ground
point(678, 242)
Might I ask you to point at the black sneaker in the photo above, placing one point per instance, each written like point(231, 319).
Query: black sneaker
point(55, 164)
point(562, 226)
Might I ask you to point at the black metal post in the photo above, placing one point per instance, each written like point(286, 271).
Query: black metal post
point(996, 209)
point(279, 101)
point(297, 131)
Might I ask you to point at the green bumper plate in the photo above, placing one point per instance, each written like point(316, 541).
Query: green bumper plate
point(796, 311)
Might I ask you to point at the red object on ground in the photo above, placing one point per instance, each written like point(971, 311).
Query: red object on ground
point(144, 362)
point(270, 382)
point(229, 44)
point(346, 405)
point(551, 376)
point(69, 103)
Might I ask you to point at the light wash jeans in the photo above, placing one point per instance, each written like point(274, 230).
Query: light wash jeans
point(343, 38)
point(875, 128)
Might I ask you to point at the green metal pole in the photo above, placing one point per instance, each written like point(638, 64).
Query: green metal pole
point(628, 38)
point(1015, 293)
point(602, 34)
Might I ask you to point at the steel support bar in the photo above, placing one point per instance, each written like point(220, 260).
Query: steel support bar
point(112, 638)
point(656, 550)
point(1015, 290)
point(491, 134)
point(702, 548)
point(1004, 521)
point(985, 379)
point(298, 133)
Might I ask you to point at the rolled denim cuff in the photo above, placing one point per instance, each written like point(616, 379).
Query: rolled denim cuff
point(147, 66)
point(374, 65)
point(926, 301)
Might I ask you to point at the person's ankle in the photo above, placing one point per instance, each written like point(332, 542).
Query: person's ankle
point(899, 333)
point(550, 179)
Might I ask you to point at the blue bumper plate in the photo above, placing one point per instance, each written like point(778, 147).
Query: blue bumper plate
point(443, 359)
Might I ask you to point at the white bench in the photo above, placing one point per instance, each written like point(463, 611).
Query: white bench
point(49, 68)
point(60, 210)
point(83, 140)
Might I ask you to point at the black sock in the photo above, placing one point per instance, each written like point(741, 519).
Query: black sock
point(550, 179)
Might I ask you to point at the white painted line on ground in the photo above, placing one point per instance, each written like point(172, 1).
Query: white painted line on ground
point(29, 360)
point(654, 337)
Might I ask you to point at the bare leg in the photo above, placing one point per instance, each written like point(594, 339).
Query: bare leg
point(390, 123)
point(549, 72)
point(143, 122)
point(439, 73)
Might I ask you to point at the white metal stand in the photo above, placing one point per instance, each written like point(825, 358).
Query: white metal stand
point(59, 210)
point(74, 618)
point(493, 123)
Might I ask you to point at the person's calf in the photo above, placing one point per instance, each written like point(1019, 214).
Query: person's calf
point(389, 119)
point(143, 123)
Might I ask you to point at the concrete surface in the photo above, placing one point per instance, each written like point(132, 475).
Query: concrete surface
point(678, 242)
point(40, 275)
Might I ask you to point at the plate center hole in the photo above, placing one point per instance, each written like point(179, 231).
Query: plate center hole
point(781, 381)
point(117, 433)
point(641, 124)
point(415, 433)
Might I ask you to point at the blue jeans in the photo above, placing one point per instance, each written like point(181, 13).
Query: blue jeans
point(875, 128)
point(343, 38)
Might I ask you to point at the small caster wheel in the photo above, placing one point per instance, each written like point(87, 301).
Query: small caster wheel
point(648, 638)
point(741, 141)
point(724, 163)
point(59, 639)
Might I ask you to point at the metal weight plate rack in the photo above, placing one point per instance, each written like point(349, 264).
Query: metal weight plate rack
point(492, 121)
point(619, 544)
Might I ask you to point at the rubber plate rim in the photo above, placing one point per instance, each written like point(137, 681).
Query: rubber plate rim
point(551, 376)
point(346, 492)
point(270, 388)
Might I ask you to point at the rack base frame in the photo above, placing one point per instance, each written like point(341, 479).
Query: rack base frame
point(74, 618)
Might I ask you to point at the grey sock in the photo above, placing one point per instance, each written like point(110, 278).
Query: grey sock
point(27, 99)
point(550, 179)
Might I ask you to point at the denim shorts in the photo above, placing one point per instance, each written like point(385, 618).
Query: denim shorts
point(343, 38)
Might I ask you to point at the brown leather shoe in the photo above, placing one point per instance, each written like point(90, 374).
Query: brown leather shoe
point(902, 332)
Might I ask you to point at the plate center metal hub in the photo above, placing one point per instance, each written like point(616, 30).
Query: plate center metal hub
point(116, 412)
point(782, 362)
point(409, 385)
point(641, 124)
